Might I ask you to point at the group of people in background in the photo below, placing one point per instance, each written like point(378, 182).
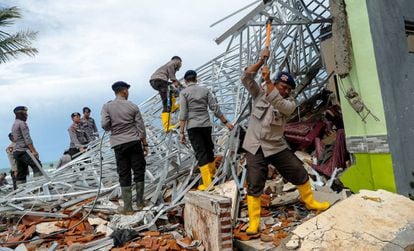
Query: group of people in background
point(22, 154)
point(82, 131)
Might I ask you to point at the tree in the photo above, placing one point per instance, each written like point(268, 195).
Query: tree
point(12, 45)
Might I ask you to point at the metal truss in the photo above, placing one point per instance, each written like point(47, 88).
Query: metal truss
point(170, 165)
point(295, 47)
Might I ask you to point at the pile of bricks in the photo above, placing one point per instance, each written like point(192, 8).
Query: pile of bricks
point(154, 240)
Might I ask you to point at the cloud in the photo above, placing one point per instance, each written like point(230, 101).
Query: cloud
point(84, 46)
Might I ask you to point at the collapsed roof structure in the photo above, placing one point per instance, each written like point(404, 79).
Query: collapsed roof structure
point(294, 46)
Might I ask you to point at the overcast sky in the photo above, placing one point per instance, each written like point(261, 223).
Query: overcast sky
point(84, 46)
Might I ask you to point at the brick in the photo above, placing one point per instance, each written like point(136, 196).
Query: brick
point(225, 214)
point(225, 223)
point(226, 238)
point(226, 230)
point(229, 245)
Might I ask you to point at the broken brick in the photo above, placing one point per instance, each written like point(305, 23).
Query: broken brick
point(266, 237)
point(172, 245)
point(265, 200)
point(152, 233)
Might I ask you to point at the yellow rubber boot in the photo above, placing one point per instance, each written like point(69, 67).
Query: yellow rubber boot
point(212, 168)
point(166, 121)
point(174, 106)
point(253, 208)
point(306, 195)
point(205, 177)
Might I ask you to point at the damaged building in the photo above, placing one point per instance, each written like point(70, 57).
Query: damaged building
point(352, 129)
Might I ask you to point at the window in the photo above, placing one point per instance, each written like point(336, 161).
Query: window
point(409, 31)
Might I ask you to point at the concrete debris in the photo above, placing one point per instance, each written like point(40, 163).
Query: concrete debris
point(286, 199)
point(274, 186)
point(387, 224)
point(229, 189)
point(21, 247)
point(288, 187)
point(47, 227)
point(293, 243)
point(74, 207)
point(104, 229)
point(214, 211)
point(96, 221)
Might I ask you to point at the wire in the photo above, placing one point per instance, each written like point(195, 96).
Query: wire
point(83, 219)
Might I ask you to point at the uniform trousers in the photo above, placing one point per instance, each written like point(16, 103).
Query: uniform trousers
point(286, 163)
point(23, 161)
point(200, 138)
point(162, 87)
point(130, 157)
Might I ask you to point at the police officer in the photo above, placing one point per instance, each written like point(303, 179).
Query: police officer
point(264, 140)
point(78, 137)
point(128, 139)
point(194, 102)
point(23, 142)
point(88, 124)
point(12, 161)
point(160, 81)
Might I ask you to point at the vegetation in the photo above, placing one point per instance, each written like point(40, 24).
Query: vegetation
point(13, 45)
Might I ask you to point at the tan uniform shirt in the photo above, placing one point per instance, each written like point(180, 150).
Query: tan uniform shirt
point(167, 71)
point(89, 126)
point(78, 137)
point(124, 120)
point(195, 100)
point(21, 135)
point(267, 119)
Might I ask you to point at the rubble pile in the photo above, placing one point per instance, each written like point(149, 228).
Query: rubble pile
point(317, 133)
point(57, 209)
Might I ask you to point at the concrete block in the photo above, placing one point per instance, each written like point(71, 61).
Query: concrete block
point(286, 199)
point(207, 217)
point(370, 220)
point(229, 189)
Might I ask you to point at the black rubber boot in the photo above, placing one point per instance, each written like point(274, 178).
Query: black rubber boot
point(127, 198)
point(139, 187)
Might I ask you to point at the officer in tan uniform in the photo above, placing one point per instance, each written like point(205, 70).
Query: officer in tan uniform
point(161, 80)
point(23, 143)
point(78, 137)
point(128, 139)
point(264, 140)
point(195, 101)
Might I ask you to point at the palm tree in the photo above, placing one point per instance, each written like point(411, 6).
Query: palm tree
point(12, 45)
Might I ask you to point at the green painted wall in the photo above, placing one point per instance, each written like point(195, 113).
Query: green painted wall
point(363, 76)
point(371, 171)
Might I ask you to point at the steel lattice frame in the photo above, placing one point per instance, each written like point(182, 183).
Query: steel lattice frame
point(294, 47)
